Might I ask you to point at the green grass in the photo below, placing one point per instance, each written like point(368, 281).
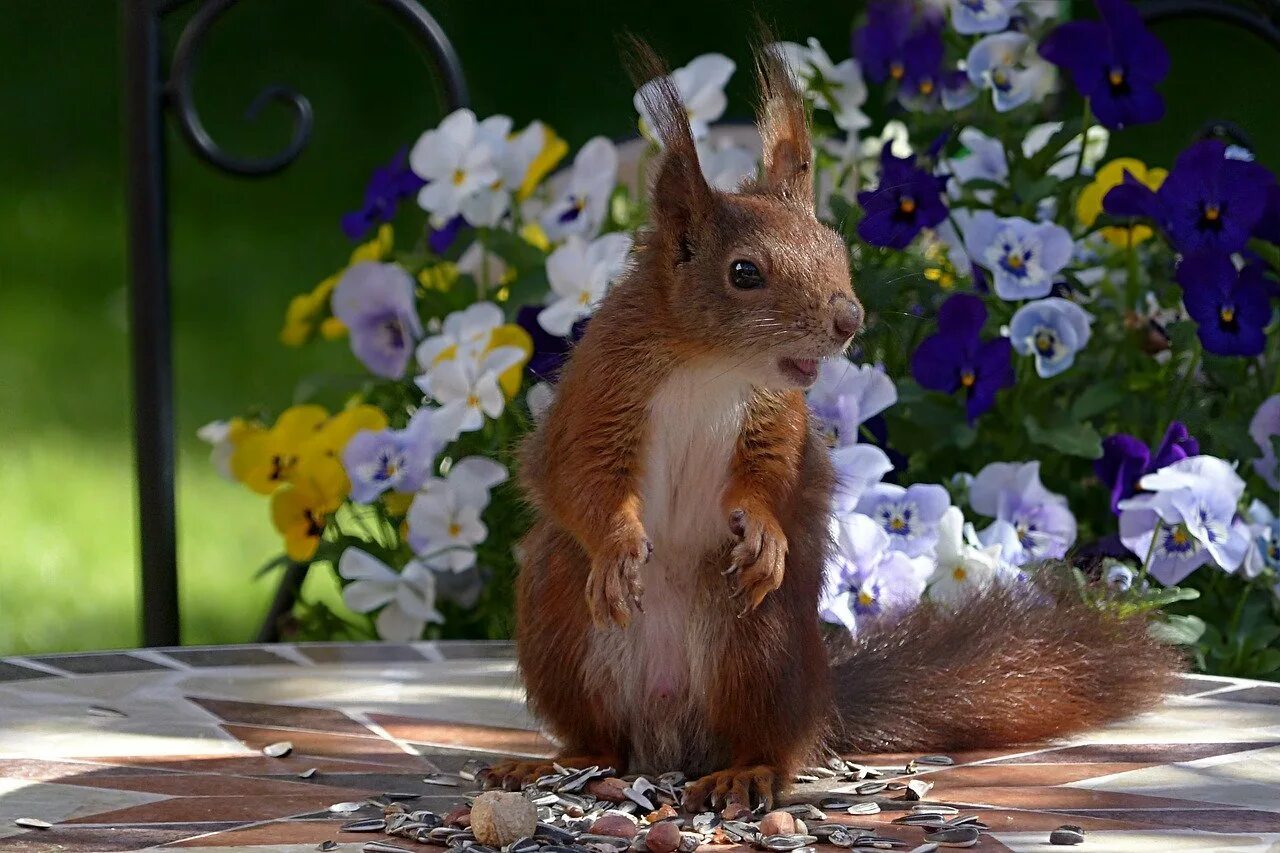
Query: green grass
point(68, 577)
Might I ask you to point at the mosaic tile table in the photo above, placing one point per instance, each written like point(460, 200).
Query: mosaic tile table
point(161, 750)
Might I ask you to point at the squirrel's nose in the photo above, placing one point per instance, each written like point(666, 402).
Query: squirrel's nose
point(846, 318)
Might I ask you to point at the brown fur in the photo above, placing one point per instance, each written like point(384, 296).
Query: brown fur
point(719, 668)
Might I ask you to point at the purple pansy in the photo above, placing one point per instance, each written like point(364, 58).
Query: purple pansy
point(399, 460)
point(1209, 202)
point(1032, 523)
point(387, 186)
point(1231, 307)
point(845, 395)
point(1268, 227)
point(920, 84)
point(1115, 62)
point(1126, 459)
point(907, 201)
point(375, 302)
point(879, 44)
point(550, 352)
point(956, 358)
point(865, 577)
point(908, 515)
point(440, 239)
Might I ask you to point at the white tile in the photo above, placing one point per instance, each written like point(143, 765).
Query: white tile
point(1155, 841)
point(1247, 780)
point(55, 803)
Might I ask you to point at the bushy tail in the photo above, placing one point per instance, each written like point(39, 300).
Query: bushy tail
point(1004, 668)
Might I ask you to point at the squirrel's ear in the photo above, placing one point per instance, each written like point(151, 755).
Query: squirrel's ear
point(784, 126)
point(680, 193)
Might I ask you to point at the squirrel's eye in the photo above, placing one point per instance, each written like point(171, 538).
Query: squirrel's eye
point(745, 275)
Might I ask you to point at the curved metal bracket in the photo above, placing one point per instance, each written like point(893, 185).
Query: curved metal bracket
point(1262, 19)
point(182, 100)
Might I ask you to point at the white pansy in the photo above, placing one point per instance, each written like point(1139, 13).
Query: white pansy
point(407, 598)
point(725, 165)
point(964, 567)
point(468, 390)
point(700, 85)
point(455, 162)
point(581, 206)
point(512, 156)
point(579, 274)
point(838, 88)
point(465, 334)
point(444, 518)
point(539, 399)
point(1064, 164)
point(218, 435)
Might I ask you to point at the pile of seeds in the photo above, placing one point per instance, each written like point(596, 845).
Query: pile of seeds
point(594, 810)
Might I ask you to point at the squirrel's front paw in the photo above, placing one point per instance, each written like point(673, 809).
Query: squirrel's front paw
point(614, 585)
point(759, 558)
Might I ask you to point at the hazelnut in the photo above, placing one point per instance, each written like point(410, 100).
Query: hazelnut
point(501, 817)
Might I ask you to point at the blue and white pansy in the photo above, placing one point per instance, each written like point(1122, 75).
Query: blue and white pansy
point(397, 460)
point(444, 518)
point(1052, 330)
point(909, 516)
point(865, 577)
point(700, 85)
point(970, 17)
point(579, 273)
point(846, 395)
point(1031, 522)
point(857, 467)
point(583, 198)
point(1008, 65)
point(1023, 257)
point(376, 303)
point(1264, 535)
point(456, 163)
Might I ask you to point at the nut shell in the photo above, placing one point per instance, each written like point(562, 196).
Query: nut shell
point(501, 817)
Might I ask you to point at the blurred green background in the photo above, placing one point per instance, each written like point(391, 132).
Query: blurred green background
point(68, 577)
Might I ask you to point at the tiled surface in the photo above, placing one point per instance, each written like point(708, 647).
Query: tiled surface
point(161, 750)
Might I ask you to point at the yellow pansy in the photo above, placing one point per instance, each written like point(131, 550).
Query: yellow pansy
point(532, 233)
point(1089, 204)
point(265, 459)
point(331, 329)
point(397, 503)
point(333, 436)
point(511, 335)
point(553, 150)
point(376, 249)
point(301, 508)
point(307, 311)
point(439, 276)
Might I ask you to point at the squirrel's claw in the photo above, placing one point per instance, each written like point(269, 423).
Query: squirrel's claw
point(614, 585)
point(759, 558)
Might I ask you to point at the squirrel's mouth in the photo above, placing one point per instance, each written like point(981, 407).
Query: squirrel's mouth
point(800, 371)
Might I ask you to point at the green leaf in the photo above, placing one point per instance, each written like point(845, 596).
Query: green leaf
point(1178, 630)
point(513, 249)
point(1096, 399)
point(1079, 439)
point(1267, 661)
point(275, 563)
point(1168, 595)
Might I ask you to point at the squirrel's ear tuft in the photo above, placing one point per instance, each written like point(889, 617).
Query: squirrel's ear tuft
point(784, 125)
point(680, 194)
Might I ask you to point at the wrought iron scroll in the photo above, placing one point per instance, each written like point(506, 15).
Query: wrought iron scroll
point(148, 94)
point(1259, 17)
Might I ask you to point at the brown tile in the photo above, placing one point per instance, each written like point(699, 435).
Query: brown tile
point(490, 738)
point(376, 783)
point(361, 653)
point(1151, 753)
point(282, 716)
point(37, 770)
point(216, 809)
point(209, 785)
point(326, 745)
point(1257, 695)
point(1005, 820)
point(229, 656)
point(1192, 686)
point(93, 664)
point(17, 672)
point(66, 838)
point(1043, 798)
point(278, 833)
point(1209, 820)
point(1016, 775)
point(900, 759)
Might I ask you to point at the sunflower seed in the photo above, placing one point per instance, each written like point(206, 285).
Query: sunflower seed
point(967, 820)
point(1066, 836)
point(461, 839)
point(611, 842)
point(782, 843)
point(482, 848)
point(918, 789)
point(840, 838)
point(805, 811)
point(471, 769)
point(936, 760)
point(33, 823)
point(866, 789)
point(308, 773)
point(928, 820)
point(863, 808)
point(346, 808)
point(640, 792)
point(820, 772)
point(402, 795)
point(523, 845)
point(954, 836)
point(326, 846)
point(373, 824)
point(382, 847)
point(934, 808)
point(104, 711)
point(277, 750)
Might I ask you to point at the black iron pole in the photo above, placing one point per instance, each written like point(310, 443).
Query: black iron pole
point(150, 330)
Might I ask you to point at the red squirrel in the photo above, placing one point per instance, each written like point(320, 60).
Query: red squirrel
point(668, 591)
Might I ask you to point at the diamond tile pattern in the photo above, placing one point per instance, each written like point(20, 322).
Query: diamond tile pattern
point(1202, 772)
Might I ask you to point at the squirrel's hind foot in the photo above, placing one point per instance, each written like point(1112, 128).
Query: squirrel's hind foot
point(746, 786)
point(512, 775)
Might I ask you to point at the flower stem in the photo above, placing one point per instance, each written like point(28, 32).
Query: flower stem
point(1151, 552)
point(1084, 136)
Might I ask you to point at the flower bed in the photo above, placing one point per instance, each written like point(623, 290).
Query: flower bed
point(1066, 355)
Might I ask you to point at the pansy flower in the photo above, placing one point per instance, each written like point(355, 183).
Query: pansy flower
point(963, 567)
point(907, 200)
point(865, 577)
point(223, 437)
point(957, 359)
point(879, 44)
point(306, 312)
point(1052, 330)
point(579, 274)
point(700, 85)
point(584, 197)
point(838, 88)
point(455, 162)
point(512, 156)
point(984, 159)
point(1031, 522)
point(1264, 426)
point(725, 164)
point(922, 76)
point(845, 395)
point(1231, 307)
point(1089, 203)
point(376, 303)
point(1264, 549)
point(1067, 158)
point(550, 352)
point(387, 186)
point(1208, 203)
point(970, 17)
point(1115, 62)
point(1006, 63)
point(468, 390)
point(397, 460)
point(1126, 459)
point(1023, 256)
point(444, 518)
point(405, 600)
point(908, 515)
point(857, 468)
point(301, 508)
point(265, 459)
